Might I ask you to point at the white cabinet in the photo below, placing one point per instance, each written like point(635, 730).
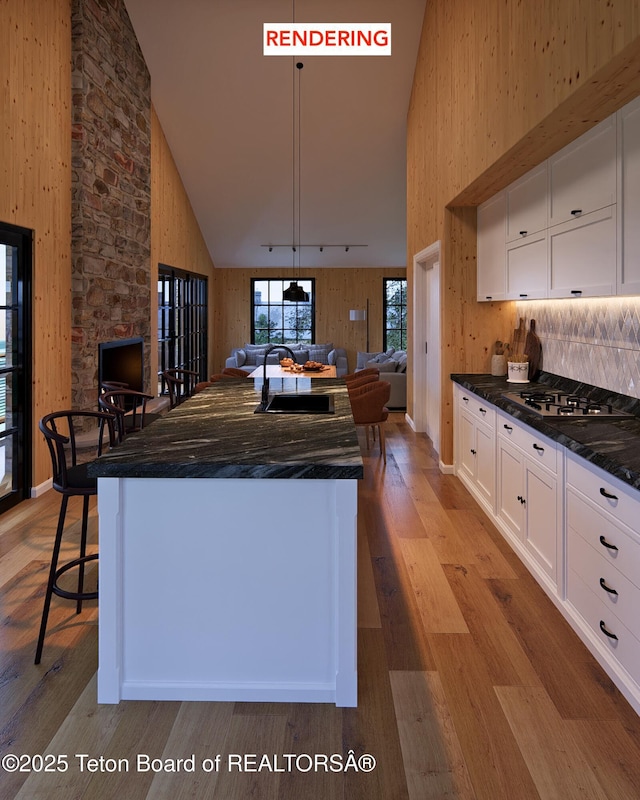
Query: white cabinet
point(526, 204)
point(582, 176)
point(529, 501)
point(527, 267)
point(629, 198)
point(491, 249)
point(475, 445)
point(583, 255)
point(603, 561)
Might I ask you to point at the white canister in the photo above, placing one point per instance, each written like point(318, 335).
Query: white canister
point(518, 372)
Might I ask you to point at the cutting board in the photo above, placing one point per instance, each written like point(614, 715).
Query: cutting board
point(533, 349)
point(518, 341)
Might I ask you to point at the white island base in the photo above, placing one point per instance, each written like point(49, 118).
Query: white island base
point(227, 589)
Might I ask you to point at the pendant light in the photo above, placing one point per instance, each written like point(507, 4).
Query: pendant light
point(295, 293)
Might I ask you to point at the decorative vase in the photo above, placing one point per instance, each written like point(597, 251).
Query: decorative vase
point(498, 365)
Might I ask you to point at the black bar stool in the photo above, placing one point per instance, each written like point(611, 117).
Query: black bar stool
point(61, 430)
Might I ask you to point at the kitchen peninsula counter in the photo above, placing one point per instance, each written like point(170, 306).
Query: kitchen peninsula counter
point(228, 553)
point(609, 443)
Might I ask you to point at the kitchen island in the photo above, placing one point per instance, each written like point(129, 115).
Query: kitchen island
point(228, 554)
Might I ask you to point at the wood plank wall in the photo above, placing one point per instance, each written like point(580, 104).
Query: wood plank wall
point(337, 291)
point(35, 185)
point(176, 239)
point(499, 86)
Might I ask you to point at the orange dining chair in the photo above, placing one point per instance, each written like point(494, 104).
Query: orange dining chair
point(361, 373)
point(368, 405)
point(234, 372)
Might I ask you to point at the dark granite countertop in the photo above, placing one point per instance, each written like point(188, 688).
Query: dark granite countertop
point(216, 434)
point(613, 445)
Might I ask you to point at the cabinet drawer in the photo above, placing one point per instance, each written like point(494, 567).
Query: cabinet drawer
point(616, 546)
point(625, 648)
point(604, 491)
point(478, 407)
point(537, 447)
point(617, 593)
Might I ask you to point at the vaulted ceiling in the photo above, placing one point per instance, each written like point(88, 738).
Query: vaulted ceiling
point(228, 114)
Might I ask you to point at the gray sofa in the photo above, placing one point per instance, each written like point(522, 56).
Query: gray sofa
point(393, 368)
point(251, 356)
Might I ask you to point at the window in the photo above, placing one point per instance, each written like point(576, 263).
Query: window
point(15, 364)
point(395, 313)
point(182, 322)
point(277, 320)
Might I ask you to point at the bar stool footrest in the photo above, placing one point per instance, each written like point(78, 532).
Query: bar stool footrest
point(73, 595)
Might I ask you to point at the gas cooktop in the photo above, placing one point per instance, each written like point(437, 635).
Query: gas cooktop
point(555, 404)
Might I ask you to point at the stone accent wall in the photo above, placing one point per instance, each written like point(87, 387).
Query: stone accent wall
point(111, 189)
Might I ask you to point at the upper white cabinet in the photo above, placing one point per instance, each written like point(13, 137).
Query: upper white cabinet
point(629, 198)
point(526, 201)
point(582, 256)
point(582, 176)
point(527, 267)
point(491, 250)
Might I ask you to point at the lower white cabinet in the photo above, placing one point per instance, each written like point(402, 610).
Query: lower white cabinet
point(475, 445)
point(529, 502)
point(574, 526)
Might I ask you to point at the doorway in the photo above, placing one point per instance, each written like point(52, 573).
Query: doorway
point(426, 343)
point(15, 364)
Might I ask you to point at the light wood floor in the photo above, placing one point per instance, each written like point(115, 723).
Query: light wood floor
point(471, 683)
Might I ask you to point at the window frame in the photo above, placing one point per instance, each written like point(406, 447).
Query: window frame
point(284, 304)
point(183, 323)
point(403, 305)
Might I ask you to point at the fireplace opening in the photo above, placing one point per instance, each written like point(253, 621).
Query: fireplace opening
point(123, 361)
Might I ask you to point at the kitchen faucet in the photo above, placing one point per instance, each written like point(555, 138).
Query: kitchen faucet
point(265, 381)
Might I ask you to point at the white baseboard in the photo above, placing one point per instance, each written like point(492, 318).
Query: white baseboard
point(410, 422)
point(41, 488)
point(447, 469)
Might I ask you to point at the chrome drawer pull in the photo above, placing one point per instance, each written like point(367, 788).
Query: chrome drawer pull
point(606, 632)
point(606, 544)
point(606, 588)
point(606, 494)
point(538, 448)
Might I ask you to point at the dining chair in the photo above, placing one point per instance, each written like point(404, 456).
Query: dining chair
point(129, 409)
point(368, 406)
point(361, 373)
point(61, 432)
point(180, 383)
point(234, 372)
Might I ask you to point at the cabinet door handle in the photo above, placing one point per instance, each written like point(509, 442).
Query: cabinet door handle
point(522, 233)
point(576, 211)
point(473, 452)
point(523, 295)
point(522, 500)
point(466, 399)
point(607, 588)
point(507, 428)
point(607, 494)
point(482, 410)
point(576, 291)
point(538, 448)
point(606, 544)
point(603, 628)
point(488, 297)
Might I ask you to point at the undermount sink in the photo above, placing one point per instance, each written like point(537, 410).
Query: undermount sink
point(299, 404)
